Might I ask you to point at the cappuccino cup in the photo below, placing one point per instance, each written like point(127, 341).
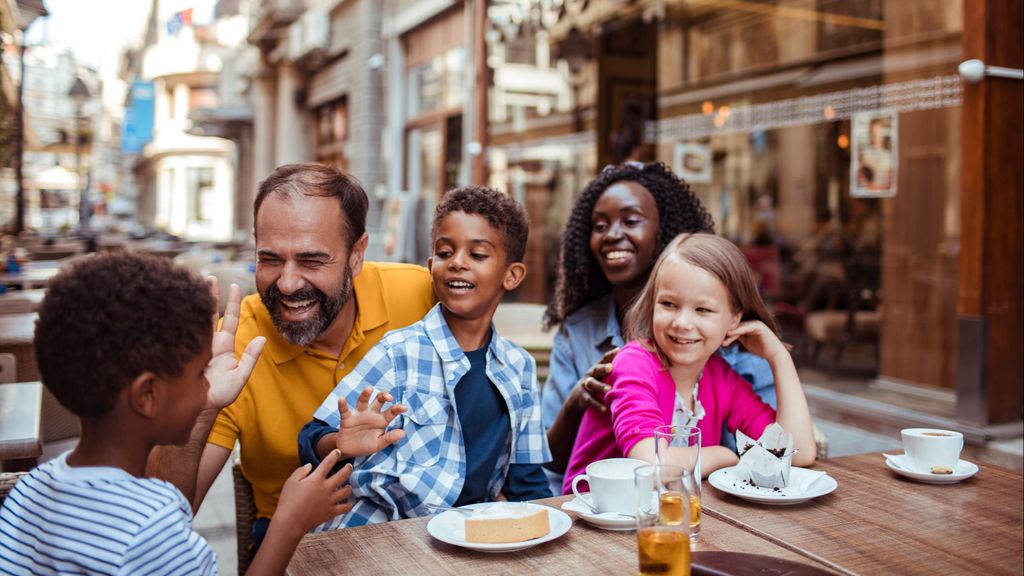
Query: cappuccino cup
point(932, 451)
point(611, 485)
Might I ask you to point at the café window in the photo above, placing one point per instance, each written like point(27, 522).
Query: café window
point(331, 137)
point(437, 84)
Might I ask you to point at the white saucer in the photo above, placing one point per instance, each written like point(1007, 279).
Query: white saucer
point(964, 470)
point(450, 527)
point(727, 480)
point(607, 520)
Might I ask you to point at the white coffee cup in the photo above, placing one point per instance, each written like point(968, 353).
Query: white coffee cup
point(928, 448)
point(611, 485)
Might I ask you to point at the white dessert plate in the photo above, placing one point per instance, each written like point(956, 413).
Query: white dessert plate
point(450, 527)
point(813, 484)
point(605, 520)
point(964, 470)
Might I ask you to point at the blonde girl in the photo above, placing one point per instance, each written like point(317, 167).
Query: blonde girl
point(700, 296)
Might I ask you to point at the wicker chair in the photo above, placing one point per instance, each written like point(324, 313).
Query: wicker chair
point(8, 369)
point(245, 515)
point(7, 482)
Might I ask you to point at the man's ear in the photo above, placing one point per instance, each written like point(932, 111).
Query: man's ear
point(355, 258)
point(514, 276)
point(145, 395)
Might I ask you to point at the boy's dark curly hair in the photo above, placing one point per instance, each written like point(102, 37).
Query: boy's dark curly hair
point(502, 212)
point(111, 317)
point(580, 279)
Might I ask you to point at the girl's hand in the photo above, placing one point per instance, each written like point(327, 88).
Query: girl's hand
point(310, 498)
point(757, 339)
point(716, 457)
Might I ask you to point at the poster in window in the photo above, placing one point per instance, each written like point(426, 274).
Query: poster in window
point(692, 162)
point(873, 166)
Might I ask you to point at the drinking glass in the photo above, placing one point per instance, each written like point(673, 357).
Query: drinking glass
point(662, 529)
point(680, 446)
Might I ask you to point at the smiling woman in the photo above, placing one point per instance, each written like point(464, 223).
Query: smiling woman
point(621, 223)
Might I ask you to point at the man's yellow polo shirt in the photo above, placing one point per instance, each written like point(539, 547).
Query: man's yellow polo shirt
point(289, 382)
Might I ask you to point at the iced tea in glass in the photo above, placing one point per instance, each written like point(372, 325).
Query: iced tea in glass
point(662, 527)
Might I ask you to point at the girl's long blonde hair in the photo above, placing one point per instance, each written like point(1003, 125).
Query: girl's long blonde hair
point(716, 256)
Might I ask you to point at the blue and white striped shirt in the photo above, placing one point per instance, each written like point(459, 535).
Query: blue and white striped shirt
point(98, 520)
point(420, 365)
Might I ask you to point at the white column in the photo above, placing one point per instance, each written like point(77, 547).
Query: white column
point(263, 127)
point(294, 136)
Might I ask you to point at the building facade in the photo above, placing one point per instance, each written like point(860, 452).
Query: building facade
point(186, 182)
point(834, 141)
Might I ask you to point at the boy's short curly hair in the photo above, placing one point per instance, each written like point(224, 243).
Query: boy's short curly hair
point(111, 317)
point(502, 212)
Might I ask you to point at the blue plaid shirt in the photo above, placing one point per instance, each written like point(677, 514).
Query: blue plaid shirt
point(420, 365)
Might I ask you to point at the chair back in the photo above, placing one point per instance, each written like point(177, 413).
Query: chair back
point(7, 482)
point(863, 282)
point(8, 369)
point(245, 516)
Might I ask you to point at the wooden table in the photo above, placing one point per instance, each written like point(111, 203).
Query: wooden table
point(20, 423)
point(877, 522)
point(21, 301)
point(32, 275)
point(17, 336)
point(17, 333)
point(404, 547)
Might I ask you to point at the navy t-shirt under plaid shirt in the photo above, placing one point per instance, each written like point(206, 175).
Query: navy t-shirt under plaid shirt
point(422, 366)
point(485, 432)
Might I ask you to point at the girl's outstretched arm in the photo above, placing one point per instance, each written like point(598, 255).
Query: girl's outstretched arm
point(792, 413)
point(711, 457)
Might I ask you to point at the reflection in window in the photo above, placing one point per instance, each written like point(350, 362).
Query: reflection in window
point(437, 84)
point(332, 134)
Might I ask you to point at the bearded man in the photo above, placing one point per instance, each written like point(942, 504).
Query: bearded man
point(320, 308)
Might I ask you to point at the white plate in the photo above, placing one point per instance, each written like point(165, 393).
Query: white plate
point(964, 470)
point(450, 527)
point(608, 521)
point(727, 481)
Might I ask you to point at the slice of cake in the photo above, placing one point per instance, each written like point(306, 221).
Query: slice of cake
point(505, 522)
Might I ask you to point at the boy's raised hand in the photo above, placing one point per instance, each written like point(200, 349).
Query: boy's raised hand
point(361, 431)
point(311, 497)
point(757, 338)
point(225, 373)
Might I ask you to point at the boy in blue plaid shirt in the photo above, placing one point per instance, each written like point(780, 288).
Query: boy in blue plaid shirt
point(467, 398)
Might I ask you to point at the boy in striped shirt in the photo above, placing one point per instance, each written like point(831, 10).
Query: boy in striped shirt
point(125, 341)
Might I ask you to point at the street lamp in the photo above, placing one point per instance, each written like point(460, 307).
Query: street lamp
point(79, 93)
point(28, 11)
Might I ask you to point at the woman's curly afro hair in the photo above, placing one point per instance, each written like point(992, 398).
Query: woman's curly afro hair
point(580, 279)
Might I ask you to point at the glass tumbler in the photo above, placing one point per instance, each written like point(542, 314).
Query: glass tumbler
point(680, 446)
point(662, 529)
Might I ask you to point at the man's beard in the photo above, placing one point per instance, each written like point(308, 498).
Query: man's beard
point(304, 333)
